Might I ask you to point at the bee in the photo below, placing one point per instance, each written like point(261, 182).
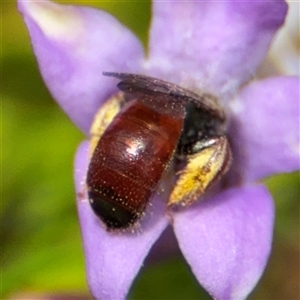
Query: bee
point(136, 135)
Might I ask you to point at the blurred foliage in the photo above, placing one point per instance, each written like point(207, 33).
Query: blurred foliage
point(40, 235)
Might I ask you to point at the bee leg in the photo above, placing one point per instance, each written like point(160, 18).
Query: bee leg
point(211, 160)
point(104, 117)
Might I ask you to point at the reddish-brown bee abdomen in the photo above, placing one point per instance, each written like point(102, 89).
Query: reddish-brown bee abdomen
point(129, 161)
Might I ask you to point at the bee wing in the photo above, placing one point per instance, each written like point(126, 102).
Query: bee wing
point(134, 83)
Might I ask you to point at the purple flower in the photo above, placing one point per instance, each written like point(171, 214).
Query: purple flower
point(211, 46)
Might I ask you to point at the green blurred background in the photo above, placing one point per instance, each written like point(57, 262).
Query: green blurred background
point(40, 236)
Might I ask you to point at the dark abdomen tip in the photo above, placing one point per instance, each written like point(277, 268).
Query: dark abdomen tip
point(114, 215)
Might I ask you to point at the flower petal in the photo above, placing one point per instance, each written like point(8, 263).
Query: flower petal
point(227, 240)
point(113, 259)
point(73, 46)
point(267, 127)
point(216, 44)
